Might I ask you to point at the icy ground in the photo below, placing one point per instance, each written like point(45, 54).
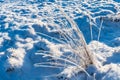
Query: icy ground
point(23, 25)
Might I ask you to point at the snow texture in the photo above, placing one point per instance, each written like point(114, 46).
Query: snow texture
point(49, 39)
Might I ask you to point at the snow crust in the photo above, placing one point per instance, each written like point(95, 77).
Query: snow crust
point(23, 25)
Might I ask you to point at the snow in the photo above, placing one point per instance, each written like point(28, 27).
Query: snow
point(38, 41)
point(108, 60)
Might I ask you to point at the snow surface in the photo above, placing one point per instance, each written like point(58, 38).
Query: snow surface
point(28, 28)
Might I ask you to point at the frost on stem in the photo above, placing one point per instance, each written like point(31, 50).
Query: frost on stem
point(69, 35)
point(58, 18)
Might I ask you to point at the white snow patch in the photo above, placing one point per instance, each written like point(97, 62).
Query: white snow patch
point(16, 58)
